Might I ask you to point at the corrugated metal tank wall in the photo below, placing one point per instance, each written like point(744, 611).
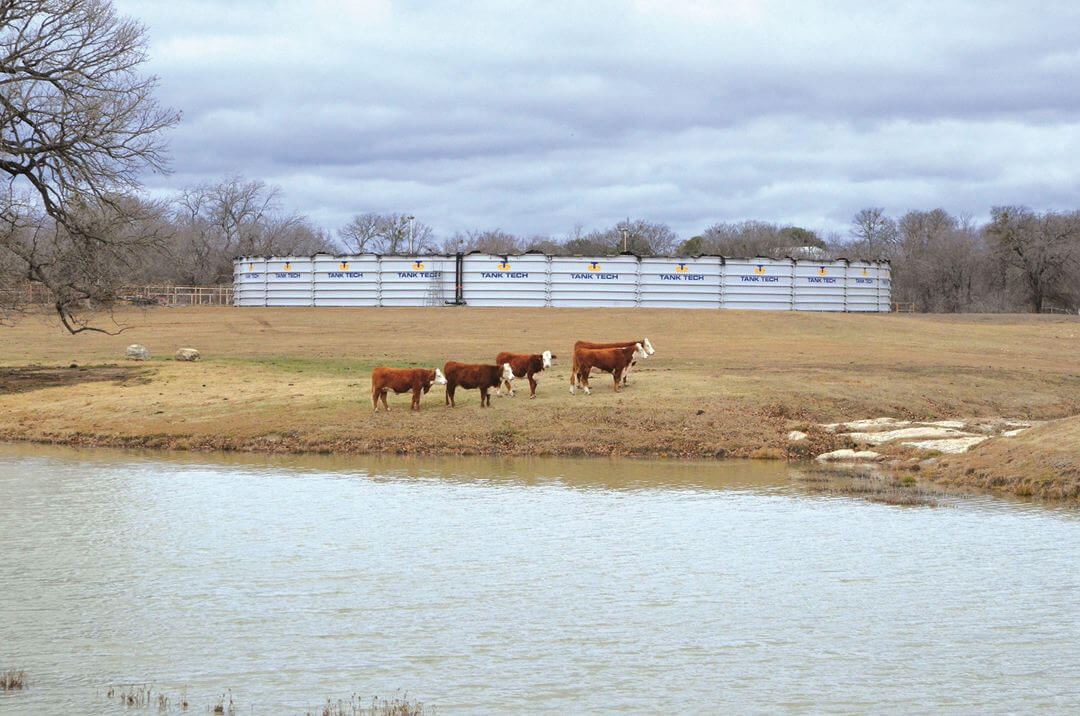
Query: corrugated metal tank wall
point(820, 286)
point(863, 280)
point(416, 280)
point(346, 281)
point(759, 283)
point(289, 280)
point(249, 282)
point(565, 281)
point(681, 283)
point(610, 281)
point(505, 280)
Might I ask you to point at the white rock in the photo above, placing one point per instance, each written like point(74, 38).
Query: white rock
point(187, 354)
point(957, 424)
point(1012, 433)
point(137, 352)
point(906, 433)
point(796, 435)
point(953, 446)
point(873, 424)
point(847, 454)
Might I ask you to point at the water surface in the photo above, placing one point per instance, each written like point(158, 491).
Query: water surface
point(482, 585)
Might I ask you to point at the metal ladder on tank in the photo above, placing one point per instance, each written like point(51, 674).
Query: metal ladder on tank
point(435, 291)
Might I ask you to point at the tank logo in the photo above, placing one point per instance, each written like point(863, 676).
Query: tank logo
point(504, 272)
point(344, 266)
point(418, 265)
point(821, 271)
point(287, 266)
point(251, 268)
point(760, 270)
point(864, 273)
point(594, 266)
point(681, 268)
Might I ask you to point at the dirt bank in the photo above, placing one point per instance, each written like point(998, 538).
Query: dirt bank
point(1042, 463)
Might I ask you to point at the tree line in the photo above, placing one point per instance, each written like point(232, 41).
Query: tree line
point(79, 124)
point(1020, 260)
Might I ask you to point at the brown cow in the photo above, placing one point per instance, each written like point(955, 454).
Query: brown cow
point(617, 344)
point(525, 365)
point(400, 380)
point(475, 375)
point(609, 360)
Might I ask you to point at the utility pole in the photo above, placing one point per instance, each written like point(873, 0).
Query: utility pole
point(624, 231)
point(410, 220)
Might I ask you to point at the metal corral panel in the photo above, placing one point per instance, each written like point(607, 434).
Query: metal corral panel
point(347, 280)
point(416, 280)
point(863, 281)
point(760, 283)
point(884, 286)
point(288, 281)
point(249, 282)
point(505, 281)
point(609, 282)
point(681, 283)
point(819, 286)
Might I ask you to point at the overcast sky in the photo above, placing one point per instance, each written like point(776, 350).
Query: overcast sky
point(533, 117)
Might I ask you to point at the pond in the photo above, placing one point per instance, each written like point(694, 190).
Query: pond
point(494, 585)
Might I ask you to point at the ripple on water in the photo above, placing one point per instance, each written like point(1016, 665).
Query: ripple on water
point(504, 585)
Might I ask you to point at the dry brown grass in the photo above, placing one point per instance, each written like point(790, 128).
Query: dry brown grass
point(870, 483)
point(722, 383)
point(1041, 463)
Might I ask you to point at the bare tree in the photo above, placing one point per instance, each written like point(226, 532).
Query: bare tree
point(544, 245)
point(387, 234)
point(874, 234)
point(936, 261)
point(236, 217)
point(491, 241)
point(77, 125)
point(1042, 249)
point(362, 234)
point(743, 238)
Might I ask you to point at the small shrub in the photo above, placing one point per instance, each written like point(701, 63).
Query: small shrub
point(12, 680)
point(355, 706)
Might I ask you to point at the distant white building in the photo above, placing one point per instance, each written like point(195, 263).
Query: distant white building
point(814, 253)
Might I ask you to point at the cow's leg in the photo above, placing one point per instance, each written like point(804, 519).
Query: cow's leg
point(416, 398)
point(375, 399)
point(383, 394)
point(450, 393)
point(532, 385)
point(618, 375)
point(484, 396)
point(583, 380)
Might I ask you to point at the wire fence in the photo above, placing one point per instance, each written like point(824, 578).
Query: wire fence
point(168, 295)
point(144, 295)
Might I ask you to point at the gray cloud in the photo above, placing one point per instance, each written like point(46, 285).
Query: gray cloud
point(539, 116)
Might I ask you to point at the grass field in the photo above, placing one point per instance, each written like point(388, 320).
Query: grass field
point(722, 383)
